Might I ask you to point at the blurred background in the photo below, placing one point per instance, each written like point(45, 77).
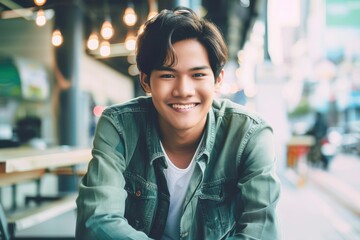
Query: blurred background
point(295, 62)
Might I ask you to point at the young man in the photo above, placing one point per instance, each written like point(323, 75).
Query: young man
point(179, 164)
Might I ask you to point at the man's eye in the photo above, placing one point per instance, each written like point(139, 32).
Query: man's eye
point(167, 76)
point(197, 75)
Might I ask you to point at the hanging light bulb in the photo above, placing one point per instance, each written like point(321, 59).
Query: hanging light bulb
point(39, 2)
point(40, 18)
point(130, 41)
point(57, 38)
point(93, 41)
point(130, 16)
point(105, 49)
point(107, 30)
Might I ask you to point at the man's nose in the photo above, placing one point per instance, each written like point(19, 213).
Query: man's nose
point(184, 87)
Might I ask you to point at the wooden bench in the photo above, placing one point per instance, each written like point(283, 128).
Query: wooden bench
point(12, 179)
point(24, 164)
point(47, 207)
point(15, 178)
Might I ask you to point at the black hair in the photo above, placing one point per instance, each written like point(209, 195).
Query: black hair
point(154, 44)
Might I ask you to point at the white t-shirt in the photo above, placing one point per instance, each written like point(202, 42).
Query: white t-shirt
point(178, 181)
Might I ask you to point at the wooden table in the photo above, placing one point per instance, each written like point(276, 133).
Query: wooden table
point(25, 163)
point(24, 159)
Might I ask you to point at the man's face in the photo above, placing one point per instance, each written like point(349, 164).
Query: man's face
point(183, 93)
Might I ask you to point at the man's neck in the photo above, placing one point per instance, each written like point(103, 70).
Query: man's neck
point(180, 148)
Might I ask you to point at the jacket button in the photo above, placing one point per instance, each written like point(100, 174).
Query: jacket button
point(138, 193)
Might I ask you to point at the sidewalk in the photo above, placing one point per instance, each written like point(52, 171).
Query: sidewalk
point(311, 214)
point(341, 181)
point(347, 168)
point(321, 205)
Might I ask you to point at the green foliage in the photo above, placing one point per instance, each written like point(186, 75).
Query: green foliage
point(302, 109)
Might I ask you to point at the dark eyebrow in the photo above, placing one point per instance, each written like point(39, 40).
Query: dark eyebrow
point(165, 68)
point(199, 68)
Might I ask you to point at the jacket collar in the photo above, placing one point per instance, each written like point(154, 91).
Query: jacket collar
point(153, 138)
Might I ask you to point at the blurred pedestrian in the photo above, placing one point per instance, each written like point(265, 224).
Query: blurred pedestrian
point(319, 132)
point(178, 163)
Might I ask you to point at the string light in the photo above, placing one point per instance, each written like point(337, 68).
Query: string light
point(39, 2)
point(130, 41)
point(130, 16)
point(57, 38)
point(93, 41)
point(107, 30)
point(40, 18)
point(105, 49)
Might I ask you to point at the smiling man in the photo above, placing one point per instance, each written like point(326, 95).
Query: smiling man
point(180, 164)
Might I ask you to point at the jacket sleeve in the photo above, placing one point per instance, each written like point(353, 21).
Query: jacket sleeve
point(101, 200)
point(259, 189)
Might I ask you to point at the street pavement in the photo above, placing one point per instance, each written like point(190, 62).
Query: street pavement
point(322, 205)
point(347, 168)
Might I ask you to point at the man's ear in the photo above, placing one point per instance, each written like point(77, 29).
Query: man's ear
point(145, 82)
point(219, 80)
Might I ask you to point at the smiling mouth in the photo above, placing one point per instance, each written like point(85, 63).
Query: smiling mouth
point(183, 106)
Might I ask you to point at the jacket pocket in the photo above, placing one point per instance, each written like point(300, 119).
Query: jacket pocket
point(140, 203)
point(217, 202)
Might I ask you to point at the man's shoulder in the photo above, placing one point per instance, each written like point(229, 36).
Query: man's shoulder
point(229, 109)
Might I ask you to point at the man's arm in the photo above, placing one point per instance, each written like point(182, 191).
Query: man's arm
point(259, 188)
point(101, 200)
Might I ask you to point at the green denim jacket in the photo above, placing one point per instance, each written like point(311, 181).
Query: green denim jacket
point(232, 195)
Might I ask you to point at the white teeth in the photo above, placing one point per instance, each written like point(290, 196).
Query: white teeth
point(181, 106)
